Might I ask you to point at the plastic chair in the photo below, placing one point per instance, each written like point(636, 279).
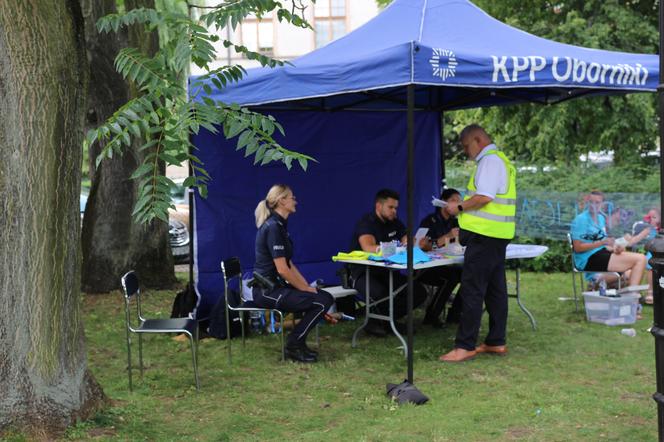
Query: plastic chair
point(187, 326)
point(579, 273)
point(230, 269)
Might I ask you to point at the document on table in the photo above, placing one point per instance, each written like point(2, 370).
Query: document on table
point(421, 233)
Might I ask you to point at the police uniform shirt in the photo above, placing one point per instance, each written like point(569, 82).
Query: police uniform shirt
point(382, 231)
point(491, 174)
point(272, 241)
point(438, 225)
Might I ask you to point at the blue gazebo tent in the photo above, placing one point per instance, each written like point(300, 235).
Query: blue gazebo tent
point(457, 56)
point(346, 104)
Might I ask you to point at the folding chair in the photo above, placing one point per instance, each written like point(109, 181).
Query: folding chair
point(578, 272)
point(187, 326)
point(231, 269)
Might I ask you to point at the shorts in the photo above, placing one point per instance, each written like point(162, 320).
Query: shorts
point(598, 262)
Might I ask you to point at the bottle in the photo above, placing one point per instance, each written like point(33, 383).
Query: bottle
point(602, 287)
point(256, 322)
point(628, 332)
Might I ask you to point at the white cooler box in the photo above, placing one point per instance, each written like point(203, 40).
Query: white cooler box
point(609, 310)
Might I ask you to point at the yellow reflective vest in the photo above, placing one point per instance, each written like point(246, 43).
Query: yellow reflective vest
point(497, 218)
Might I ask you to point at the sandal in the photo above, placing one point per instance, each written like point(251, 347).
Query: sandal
point(648, 299)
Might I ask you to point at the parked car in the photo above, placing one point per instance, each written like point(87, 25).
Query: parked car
point(178, 236)
point(178, 222)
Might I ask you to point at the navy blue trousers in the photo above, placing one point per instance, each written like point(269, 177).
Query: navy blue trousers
point(482, 282)
point(288, 299)
point(447, 277)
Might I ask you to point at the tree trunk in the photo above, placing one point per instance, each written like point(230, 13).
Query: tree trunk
point(44, 382)
point(112, 243)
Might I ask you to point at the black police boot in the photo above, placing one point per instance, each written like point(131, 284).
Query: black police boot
point(299, 353)
point(310, 350)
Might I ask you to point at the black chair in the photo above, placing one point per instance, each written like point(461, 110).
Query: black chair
point(187, 326)
point(231, 270)
point(580, 273)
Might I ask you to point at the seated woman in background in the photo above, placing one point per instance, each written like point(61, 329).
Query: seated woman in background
point(594, 250)
point(644, 231)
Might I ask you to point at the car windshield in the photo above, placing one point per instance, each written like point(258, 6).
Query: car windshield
point(179, 192)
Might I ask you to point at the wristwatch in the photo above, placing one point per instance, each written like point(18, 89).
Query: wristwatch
point(460, 207)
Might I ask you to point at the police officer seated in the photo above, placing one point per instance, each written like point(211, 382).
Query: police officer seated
point(443, 229)
point(382, 225)
point(282, 286)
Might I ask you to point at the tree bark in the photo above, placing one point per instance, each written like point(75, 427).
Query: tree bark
point(112, 243)
point(44, 382)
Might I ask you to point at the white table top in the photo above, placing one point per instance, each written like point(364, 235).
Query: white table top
point(514, 251)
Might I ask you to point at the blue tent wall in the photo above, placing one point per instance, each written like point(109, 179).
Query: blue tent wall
point(357, 153)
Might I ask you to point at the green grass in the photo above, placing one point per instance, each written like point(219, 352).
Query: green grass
point(569, 380)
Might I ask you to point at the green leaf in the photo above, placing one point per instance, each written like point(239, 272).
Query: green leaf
point(189, 181)
point(244, 139)
point(235, 128)
point(141, 170)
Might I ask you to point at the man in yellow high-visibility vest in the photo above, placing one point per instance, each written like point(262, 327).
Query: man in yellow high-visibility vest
point(487, 224)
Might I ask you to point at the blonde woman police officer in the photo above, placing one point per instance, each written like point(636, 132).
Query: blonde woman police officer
point(290, 292)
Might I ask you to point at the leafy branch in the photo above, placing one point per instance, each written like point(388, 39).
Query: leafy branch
point(165, 116)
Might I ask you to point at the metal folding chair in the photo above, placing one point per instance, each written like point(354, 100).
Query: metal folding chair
point(231, 270)
point(578, 273)
point(143, 325)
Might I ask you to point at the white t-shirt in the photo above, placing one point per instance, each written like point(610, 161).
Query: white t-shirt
point(491, 175)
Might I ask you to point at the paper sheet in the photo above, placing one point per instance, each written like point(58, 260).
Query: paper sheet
point(421, 233)
point(437, 202)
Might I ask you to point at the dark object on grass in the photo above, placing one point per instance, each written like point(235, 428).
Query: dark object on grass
point(217, 325)
point(184, 303)
point(406, 392)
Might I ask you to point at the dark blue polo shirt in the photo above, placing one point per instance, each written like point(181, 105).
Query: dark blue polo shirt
point(272, 241)
point(382, 231)
point(438, 225)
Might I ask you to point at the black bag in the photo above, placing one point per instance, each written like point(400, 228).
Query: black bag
point(217, 327)
point(405, 393)
point(184, 303)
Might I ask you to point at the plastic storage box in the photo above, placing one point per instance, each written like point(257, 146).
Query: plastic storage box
point(611, 310)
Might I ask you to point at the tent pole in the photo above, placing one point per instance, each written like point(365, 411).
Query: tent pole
point(660, 94)
point(443, 182)
point(190, 195)
point(410, 117)
point(656, 246)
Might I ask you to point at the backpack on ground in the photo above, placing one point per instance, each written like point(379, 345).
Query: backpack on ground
point(217, 327)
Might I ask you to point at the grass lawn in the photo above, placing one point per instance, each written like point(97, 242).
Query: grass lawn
point(569, 380)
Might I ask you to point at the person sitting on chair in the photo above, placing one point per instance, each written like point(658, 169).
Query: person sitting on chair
point(289, 291)
point(594, 250)
point(644, 231)
point(443, 229)
point(382, 225)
